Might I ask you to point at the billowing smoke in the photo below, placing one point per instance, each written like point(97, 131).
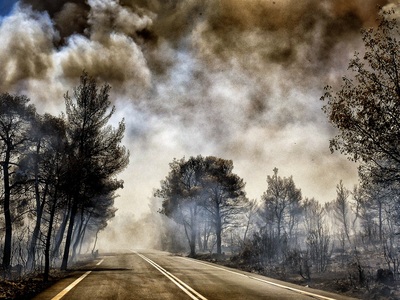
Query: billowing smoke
point(235, 79)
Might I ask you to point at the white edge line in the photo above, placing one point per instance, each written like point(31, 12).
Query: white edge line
point(263, 280)
point(183, 286)
point(72, 285)
point(100, 262)
point(170, 278)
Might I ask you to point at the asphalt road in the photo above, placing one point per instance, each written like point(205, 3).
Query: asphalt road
point(160, 275)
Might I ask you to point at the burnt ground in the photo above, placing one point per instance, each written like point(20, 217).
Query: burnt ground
point(28, 286)
point(339, 279)
point(25, 288)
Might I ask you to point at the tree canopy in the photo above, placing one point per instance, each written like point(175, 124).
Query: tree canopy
point(365, 109)
point(202, 187)
point(58, 175)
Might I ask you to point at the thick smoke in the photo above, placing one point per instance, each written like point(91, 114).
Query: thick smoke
point(236, 79)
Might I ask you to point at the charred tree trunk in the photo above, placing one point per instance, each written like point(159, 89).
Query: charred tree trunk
point(35, 235)
point(36, 231)
point(193, 233)
point(380, 221)
point(30, 264)
point(48, 238)
point(60, 234)
point(78, 233)
point(95, 242)
point(199, 241)
point(74, 210)
point(7, 212)
point(83, 232)
point(218, 229)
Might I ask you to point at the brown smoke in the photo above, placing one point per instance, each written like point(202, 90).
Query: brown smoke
point(71, 19)
point(26, 48)
point(239, 79)
point(286, 32)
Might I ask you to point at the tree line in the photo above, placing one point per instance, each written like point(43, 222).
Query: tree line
point(284, 229)
point(58, 177)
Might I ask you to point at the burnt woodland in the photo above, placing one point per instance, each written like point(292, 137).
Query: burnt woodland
point(58, 178)
point(351, 242)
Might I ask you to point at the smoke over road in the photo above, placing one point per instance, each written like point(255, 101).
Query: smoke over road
point(236, 79)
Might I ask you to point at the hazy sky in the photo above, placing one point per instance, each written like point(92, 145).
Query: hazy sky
point(236, 79)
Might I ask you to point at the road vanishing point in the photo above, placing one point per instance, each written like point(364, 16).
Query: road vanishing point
point(159, 275)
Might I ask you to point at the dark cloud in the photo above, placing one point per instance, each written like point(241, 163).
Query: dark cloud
point(52, 7)
point(71, 19)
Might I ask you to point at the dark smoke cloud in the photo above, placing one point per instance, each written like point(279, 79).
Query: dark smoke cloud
point(71, 19)
point(231, 78)
point(285, 32)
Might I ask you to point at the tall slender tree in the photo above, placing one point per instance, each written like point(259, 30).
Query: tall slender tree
point(181, 194)
point(16, 116)
point(282, 201)
point(95, 153)
point(224, 195)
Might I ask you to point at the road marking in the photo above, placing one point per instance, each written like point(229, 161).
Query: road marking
point(98, 264)
point(262, 280)
point(179, 283)
point(72, 285)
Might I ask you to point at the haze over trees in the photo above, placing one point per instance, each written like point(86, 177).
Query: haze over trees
point(290, 233)
point(365, 111)
point(58, 183)
point(203, 194)
point(58, 176)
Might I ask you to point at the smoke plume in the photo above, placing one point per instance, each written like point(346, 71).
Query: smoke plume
point(235, 79)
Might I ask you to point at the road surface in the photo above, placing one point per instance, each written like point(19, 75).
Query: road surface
point(160, 275)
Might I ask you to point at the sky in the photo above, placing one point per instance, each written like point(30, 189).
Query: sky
point(236, 79)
